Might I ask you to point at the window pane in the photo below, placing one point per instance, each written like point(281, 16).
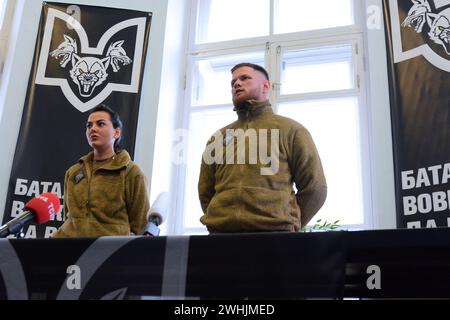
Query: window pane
point(221, 20)
point(334, 126)
point(303, 15)
point(212, 77)
point(202, 126)
point(317, 69)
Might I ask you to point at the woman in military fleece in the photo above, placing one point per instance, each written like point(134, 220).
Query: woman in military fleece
point(105, 192)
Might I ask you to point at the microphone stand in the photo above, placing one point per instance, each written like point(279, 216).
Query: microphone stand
point(15, 227)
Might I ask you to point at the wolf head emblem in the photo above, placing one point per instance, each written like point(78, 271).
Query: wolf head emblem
point(417, 15)
point(118, 55)
point(89, 72)
point(421, 15)
point(65, 51)
point(440, 29)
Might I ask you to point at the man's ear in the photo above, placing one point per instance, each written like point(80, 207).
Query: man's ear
point(266, 86)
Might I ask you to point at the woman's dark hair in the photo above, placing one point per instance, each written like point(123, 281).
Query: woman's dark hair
point(115, 119)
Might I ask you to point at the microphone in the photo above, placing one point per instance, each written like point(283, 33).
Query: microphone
point(156, 215)
point(154, 219)
point(38, 210)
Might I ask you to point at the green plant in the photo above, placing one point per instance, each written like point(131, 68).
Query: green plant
point(321, 226)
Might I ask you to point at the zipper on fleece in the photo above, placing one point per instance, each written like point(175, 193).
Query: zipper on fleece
point(241, 167)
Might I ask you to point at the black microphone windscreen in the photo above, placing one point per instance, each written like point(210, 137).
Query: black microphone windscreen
point(155, 217)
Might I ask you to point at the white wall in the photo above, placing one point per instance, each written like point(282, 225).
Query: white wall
point(171, 98)
point(17, 72)
point(383, 191)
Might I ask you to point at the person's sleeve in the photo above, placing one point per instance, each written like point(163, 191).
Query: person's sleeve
point(206, 181)
point(65, 208)
point(308, 175)
point(137, 200)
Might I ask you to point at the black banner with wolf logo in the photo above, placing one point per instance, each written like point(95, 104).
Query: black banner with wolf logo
point(84, 56)
point(418, 33)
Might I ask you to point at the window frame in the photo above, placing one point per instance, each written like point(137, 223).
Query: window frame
point(178, 226)
point(359, 91)
point(353, 34)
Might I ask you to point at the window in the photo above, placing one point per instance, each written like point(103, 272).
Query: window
point(210, 109)
point(210, 72)
point(294, 16)
point(313, 53)
point(219, 20)
point(320, 89)
point(334, 125)
point(325, 68)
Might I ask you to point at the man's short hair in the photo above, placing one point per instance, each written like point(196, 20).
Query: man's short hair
point(253, 66)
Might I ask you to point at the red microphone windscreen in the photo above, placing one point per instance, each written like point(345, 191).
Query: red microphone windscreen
point(44, 206)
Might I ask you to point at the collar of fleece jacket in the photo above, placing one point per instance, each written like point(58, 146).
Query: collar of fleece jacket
point(253, 108)
point(119, 161)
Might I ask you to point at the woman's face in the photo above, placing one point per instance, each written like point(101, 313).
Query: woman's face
point(100, 132)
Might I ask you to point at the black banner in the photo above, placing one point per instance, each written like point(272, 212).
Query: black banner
point(198, 267)
point(397, 264)
point(84, 56)
point(418, 34)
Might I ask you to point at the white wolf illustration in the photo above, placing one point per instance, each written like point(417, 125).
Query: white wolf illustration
point(89, 72)
point(440, 28)
point(65, 50)
point(117, 54)
point(417, 15)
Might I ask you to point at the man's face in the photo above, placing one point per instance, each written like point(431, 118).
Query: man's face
point(248, 84)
